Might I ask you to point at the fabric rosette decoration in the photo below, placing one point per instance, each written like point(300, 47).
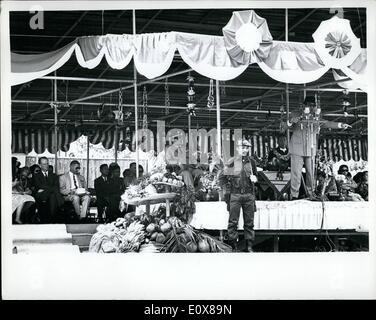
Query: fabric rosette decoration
point(336, 43)
point(247, 37)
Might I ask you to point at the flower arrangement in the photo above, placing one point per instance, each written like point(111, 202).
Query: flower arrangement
point(210, 182)
point(150, 184)
point(134, 191)
point(167, 178)
point(325, 167)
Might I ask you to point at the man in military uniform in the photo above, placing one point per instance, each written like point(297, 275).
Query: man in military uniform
point(238, 179)
point(303, 144)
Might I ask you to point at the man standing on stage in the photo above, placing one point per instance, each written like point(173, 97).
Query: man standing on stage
point(239, 184)
point(303, 144)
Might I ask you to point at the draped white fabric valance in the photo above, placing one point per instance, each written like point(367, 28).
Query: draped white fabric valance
point(293, 62)
point(153, 53)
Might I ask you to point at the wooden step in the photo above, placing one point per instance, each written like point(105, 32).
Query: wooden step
point(82, 240)
point(82, 234)
point(90, 228)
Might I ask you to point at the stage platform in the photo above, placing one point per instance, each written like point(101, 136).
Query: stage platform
point(289, 215)
point(273, 220)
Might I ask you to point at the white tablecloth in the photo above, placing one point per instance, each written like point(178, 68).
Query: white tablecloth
point(288, 215)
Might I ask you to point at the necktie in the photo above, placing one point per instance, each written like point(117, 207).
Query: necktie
point(75, 182)
point(45, 175)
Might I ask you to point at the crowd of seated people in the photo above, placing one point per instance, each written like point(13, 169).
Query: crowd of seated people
point(342, 186)
point(40, 196)
point(347, 186)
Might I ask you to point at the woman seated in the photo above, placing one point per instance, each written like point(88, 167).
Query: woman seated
point(21, 195)
point(347, 185)
point(361, 178)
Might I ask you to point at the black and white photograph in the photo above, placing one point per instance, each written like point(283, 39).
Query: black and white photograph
point(188, 134)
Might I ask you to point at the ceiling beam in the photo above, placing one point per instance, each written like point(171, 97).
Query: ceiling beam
point(74, 25)
point(183, 108)
point(190, 25)
point(317, 87)
point(297, 23)
point(130, 86)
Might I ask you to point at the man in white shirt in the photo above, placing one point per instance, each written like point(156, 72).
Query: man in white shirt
point(73, 188)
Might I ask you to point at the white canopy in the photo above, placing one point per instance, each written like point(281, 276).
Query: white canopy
point(215, 57)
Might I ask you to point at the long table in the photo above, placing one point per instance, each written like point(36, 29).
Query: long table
point(289, 215)
point(291, 218)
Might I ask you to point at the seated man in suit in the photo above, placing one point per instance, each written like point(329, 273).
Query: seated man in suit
point(279, 157)
point(46, 190)
point(115, 190)
point(101, 185)
point(71, 183)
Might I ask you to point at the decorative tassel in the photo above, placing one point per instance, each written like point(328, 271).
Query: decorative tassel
point(210, 103)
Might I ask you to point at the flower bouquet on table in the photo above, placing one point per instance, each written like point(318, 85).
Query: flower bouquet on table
point(209, 186)
point(326, 186)
point(134, 191)
point(166, 182)
point(140, 190)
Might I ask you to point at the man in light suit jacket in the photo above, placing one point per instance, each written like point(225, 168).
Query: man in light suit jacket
point(70, 182)
point(303, 145)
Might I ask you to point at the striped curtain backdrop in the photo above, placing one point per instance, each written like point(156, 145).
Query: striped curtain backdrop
point(107, 138)
point(24, 140)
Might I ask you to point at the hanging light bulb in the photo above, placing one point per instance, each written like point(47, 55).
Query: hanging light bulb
point(191, 91)
point(317, 107)
point(345, 102)
point(117, 114)
point(191, 96)
point(167, 98)
point(191, 109)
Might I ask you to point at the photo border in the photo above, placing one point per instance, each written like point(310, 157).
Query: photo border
point(334, 275)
